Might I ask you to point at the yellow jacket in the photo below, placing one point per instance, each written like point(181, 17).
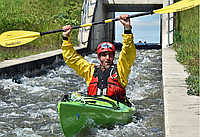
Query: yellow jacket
point(86, 70)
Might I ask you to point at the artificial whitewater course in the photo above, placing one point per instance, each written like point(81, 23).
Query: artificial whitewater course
point(30, 108)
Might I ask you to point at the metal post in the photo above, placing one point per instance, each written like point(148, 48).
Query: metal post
point(168, 23)
point(161, 25)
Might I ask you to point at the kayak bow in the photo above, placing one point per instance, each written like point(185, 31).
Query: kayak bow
point(76, 113)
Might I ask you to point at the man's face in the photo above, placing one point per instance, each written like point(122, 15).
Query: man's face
point(106, 58)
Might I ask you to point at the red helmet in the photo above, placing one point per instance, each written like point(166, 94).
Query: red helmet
point(105, 46)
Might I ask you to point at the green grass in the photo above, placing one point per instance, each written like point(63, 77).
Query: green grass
point(186, 43)
point(38, 16)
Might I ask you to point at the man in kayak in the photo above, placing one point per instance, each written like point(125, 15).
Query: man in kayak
point(107, 78)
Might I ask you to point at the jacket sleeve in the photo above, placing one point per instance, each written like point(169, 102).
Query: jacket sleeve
point(76, 61)
point(126, 59)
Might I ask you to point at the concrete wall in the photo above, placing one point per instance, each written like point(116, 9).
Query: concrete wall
point(100, 33)
point(132, 1)
point(105, 10)
point(33, 65)
point(132, 5)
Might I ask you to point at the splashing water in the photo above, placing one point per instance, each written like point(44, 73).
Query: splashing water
point(30, 108)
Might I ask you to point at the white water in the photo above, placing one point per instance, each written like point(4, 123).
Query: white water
point(30, 108)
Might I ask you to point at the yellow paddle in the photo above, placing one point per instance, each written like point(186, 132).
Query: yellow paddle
point(21, 37)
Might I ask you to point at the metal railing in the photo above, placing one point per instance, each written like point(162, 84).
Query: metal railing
point(170, 31)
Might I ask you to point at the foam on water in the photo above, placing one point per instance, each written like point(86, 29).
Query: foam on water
point(30, 108)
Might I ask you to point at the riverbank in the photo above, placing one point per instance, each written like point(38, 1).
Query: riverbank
point(181, 112)
point(38, 16)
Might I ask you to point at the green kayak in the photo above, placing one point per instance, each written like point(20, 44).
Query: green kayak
point(76, 111)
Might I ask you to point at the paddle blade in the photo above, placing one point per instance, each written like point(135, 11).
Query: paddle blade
point(178, 6)
point(17, 38)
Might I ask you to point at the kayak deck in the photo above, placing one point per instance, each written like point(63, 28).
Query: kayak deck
point(76, 114)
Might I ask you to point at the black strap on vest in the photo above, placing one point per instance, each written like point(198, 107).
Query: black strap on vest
point(103, 75)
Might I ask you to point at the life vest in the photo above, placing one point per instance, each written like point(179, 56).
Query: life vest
point(104, 82)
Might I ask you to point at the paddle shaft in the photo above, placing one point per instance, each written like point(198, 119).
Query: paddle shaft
point(96, 23)
point(59, 30)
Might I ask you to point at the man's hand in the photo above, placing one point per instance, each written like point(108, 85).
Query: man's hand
point(124, 20)
point(67, 30)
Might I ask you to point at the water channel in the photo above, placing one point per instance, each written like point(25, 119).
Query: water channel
point(30, 108)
